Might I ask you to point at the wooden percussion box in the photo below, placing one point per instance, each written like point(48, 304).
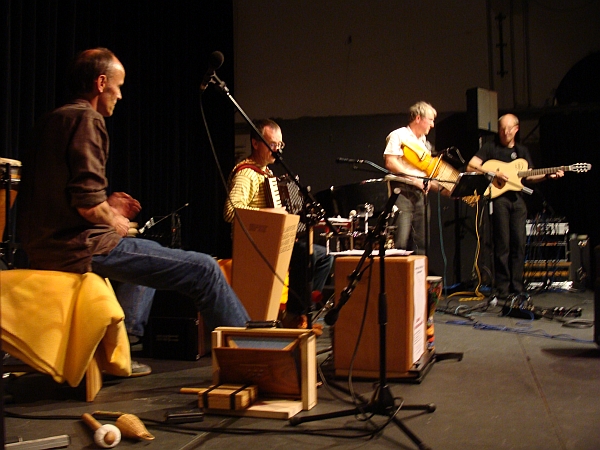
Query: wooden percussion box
point(406, 288)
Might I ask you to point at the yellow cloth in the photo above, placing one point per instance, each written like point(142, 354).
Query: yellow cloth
point(55, 321)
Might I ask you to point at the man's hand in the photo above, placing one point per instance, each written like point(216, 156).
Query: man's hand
point(121, 225)
point(124, 204)
point(103, 213)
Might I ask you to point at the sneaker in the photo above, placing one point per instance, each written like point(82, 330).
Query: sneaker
point(139, 370)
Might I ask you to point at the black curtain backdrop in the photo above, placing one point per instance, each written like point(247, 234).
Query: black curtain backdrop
point(160, 152)
point(575, 197)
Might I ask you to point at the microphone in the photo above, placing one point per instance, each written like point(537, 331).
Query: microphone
point(348, 160)
point(527, 190)
point(332, 316)
point(214, 62)
point(147, 225)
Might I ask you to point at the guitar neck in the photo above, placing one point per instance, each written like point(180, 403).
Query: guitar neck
point(527, 173)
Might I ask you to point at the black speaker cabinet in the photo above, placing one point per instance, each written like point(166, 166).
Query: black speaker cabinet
point(580, 269)
point(175, 329)
point(173, 338)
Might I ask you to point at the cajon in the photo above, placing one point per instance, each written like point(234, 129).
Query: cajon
point(254, 282)
point(406, 288)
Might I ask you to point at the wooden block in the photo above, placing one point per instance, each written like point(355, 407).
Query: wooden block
point(226, 396)
point(264, 409)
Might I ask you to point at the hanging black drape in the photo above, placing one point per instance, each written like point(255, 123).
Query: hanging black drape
point(159, 148)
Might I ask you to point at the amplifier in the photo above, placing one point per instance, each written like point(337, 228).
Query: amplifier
point(179, 338)
point(175, 329)
point(534, 228)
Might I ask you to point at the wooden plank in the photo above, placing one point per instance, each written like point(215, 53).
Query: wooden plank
point(265, 409)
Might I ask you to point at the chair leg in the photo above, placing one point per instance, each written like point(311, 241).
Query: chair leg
point(93, 380)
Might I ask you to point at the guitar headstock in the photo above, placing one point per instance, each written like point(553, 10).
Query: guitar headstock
point(580, 167)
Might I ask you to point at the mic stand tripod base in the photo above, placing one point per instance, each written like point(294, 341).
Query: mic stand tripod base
point(382, 403)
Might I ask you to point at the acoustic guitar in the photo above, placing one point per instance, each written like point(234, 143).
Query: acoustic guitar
point(434, 166)
point(518, 169)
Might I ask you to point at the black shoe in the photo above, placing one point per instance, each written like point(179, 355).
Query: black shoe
point(139, 370)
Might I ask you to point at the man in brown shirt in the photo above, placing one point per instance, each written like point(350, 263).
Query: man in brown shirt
point(68, 222)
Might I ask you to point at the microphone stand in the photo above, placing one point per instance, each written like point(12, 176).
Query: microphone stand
point(312, 212)
point(382, 401)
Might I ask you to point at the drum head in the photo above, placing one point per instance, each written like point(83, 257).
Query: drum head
point(12, 162)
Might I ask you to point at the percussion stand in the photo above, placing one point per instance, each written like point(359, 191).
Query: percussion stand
point(382, 400)
point(7, 245)
point(312, 212)
point(6, 180)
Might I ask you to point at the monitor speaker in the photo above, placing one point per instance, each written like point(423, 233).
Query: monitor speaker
point(482, 109)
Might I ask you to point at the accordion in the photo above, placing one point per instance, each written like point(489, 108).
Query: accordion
point(283, 192)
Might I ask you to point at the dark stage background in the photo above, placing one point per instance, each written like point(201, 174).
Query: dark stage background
point(160, 153)
point(159, 149)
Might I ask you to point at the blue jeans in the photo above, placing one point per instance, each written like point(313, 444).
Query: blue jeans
point(195, 275)
point(136, 302)
point(410, 231)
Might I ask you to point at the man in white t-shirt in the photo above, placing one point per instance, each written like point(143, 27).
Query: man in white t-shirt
point(411, 223)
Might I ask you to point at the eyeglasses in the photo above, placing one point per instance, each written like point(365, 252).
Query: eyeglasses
point(276, 146)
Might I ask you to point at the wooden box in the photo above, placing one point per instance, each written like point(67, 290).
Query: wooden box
point(406, 289)
point(280, 362)
point(273, 234)
point(227, 396)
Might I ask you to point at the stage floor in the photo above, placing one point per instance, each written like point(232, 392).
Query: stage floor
point(521, 384)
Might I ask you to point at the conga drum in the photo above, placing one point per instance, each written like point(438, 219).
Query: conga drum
point(10, 176)
point(435, 287)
